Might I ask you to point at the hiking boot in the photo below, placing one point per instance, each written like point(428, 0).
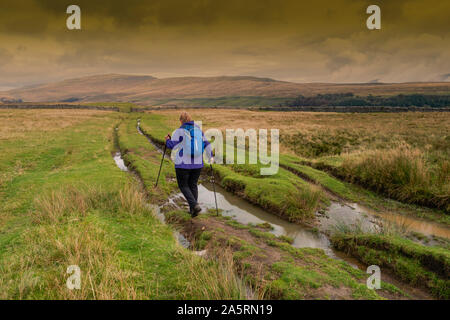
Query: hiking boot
point(195, 211)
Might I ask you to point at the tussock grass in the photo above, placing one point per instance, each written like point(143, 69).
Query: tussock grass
point(402, 173)
point(69, 233)
point(307, 198)
point(76, 202)
point(84, 244)
point(218, 279)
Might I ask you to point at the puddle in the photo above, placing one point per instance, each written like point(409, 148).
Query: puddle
point(348, 216)
point(427, 228)
point(119, 161)
point(178, 236)
point(352, 214)
point(245, 213)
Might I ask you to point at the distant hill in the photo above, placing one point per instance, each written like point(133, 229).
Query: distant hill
point(148, 90)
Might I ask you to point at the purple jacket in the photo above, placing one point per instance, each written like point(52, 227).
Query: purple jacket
point(196, 162)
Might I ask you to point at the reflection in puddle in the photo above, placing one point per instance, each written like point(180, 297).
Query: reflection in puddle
point(245, 213)
point(356, 216)
point(348, 216)
point(428, 228)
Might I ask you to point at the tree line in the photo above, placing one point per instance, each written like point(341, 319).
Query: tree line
point(349, 99)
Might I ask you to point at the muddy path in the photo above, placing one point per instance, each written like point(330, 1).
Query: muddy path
point(258, 258)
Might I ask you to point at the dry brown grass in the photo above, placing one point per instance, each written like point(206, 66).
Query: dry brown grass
point(64, 237)
point(75, 202)
point(51, 248)
point(369, 131)
point(401, 173)
point(16, 124)
point(88, 247)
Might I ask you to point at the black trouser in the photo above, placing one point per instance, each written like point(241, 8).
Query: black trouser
point(187, 182)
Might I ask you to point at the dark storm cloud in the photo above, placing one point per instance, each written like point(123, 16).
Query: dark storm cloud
point(320, 40)
point(138, 13)
point(42, 15)
point(39, 15)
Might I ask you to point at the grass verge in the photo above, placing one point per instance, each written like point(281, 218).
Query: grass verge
point(411, 262)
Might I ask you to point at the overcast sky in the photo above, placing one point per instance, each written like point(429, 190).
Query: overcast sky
point(301, 41)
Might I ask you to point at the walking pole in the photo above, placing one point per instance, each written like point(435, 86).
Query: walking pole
point(162, 160)
point(214, 189)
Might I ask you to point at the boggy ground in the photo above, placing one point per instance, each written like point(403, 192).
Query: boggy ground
point(64, 202)
point(283, 194)
point(294, 199)
point(238, 178)
point(275, 268)
point(270, 265)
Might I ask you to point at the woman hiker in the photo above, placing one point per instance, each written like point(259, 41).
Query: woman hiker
point(189, 143)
